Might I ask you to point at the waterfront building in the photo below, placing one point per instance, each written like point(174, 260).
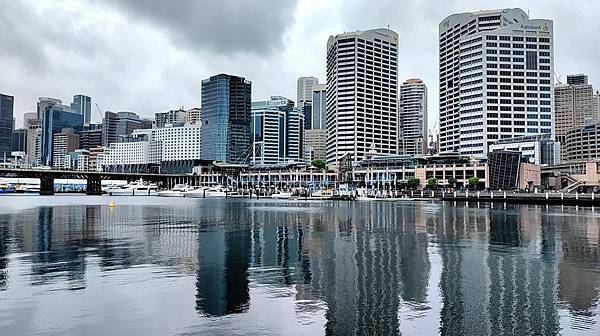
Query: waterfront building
point(226, 119)
point(393, 172)
point(319, 107)
point(62, 144)
point(83, 105)
point(91, 136)
point(305, 89)
point(193, 115)
point(167, 149)
point(413, 117)
point(19, 140)
point(314, 141)
point(118, 124)
point(6, 125)
point(56, 118)
point(128, 156)
point(177, 143)
point(574, 104)
point(536, 149)
point(277, 130)
point(582, 143)
point(171, 117)
point(500, 65)
point(362, 94)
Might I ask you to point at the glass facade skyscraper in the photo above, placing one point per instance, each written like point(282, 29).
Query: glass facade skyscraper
point(226, 119)
point(6, 125)
point(83, 105)
point(55, 119)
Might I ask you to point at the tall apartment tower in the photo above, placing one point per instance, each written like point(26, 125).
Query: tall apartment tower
point(6, 125)
point(305, 89)
point(362, 94)
point(413, 117)
point(451, 31)
point(83, 105)
point(496, 79)
point(574, 105)
point(226, 118)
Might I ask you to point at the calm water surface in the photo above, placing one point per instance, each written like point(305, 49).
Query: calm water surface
point(71, 265)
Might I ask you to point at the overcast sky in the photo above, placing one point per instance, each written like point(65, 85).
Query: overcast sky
point(150, 56)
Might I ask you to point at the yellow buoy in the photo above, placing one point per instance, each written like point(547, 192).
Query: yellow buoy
point(111, 204)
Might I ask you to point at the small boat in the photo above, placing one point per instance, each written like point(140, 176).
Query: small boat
point(7, 189)
point(31, 188)
point(278, 194)
point(135, 188)
point(217, 191)
point(179, 190)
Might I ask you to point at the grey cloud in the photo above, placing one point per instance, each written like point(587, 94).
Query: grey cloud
point(223, 26)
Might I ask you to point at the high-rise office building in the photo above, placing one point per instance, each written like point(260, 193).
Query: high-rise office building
point(496, 78)
point(226, 119)
point(574, 107)
point(315, 143)
point(19, 140)
point(305, 89)
point(362, 94)
point(30, 118)
point(172, 117)
point(577, 79)
point(277, 129)
point(319, 107)
point(6, 125)
point(413, 117)
point(54, 120)
point(91, 137)
point(45, 102)
point(596, 102)
point(63, 143)
point(451, 31)
point(83, 105)
point(193, 115)
point(118, 124)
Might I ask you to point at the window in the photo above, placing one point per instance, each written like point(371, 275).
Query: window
point(531, 60)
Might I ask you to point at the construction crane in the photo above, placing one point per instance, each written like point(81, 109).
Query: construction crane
point(99, 112)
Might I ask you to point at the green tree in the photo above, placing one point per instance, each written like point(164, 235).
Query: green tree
point(319, 164)
point(413, 182)
point(432, 182)
point(452, 181)
point(473, 181)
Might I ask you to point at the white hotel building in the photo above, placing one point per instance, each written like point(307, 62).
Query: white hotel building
point(362, 94)
point(153, 146)
point(496, 79)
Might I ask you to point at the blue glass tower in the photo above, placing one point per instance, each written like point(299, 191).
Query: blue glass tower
point(226, 119)
point(56, 118)
point(83, 105)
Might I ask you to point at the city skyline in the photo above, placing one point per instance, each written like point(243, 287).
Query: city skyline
point(295, 47)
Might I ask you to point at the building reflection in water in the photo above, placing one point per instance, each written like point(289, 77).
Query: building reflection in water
point(503, 269)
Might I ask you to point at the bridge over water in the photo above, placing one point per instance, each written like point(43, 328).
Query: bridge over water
point(94, 179)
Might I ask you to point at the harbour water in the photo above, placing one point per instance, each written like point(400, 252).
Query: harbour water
point(72, 265)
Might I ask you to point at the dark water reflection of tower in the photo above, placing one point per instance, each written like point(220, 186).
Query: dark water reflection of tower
point(223, 261)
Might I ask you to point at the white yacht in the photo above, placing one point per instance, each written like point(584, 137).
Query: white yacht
point(217, 191)
point(135, 188)
point(179, 190)
point(278, 194)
